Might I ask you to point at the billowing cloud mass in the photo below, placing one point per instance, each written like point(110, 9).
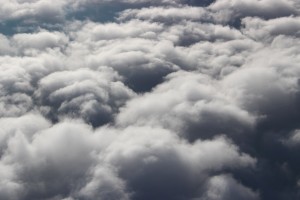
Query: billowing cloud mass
point(149, 100)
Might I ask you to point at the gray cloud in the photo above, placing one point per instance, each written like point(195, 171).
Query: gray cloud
point(142, 100)
point(266, 9)
point(106, 163)
point(193, 104)
point(225, 187)
point(88, 94)
point(259, 29)
point(168, 14)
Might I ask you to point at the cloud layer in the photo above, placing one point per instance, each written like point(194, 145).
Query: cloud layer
point(143, 100)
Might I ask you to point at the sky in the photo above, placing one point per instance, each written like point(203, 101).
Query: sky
point(149, 100)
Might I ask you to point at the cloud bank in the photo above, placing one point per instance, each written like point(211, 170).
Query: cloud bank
point(143, 100)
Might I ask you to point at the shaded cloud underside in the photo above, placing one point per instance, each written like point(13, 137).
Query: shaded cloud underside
point(143, 100)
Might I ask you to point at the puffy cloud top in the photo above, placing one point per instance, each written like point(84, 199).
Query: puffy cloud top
point(143, 100)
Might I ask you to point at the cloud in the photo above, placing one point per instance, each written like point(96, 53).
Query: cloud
point(133, 48)
point(107, 163)
point(268, 30)
point(168, 14)
point(193, 104)
point(93, 96)
point(39, 11)
point(151, 162)
point(225, 187)
point(32, 10)
point(37, 169)
point(135, 28)
point(266, 9)
point(140, 100)
point(39, 41)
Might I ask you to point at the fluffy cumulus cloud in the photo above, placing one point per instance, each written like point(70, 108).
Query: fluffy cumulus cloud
point(143, 100)
point(70, 159)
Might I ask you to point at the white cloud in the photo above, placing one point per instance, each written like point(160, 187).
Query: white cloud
point(192, 103)
point(92, 95)
point(262, 8)
point(169, 100)
point(263, 30)
point(63, 158)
